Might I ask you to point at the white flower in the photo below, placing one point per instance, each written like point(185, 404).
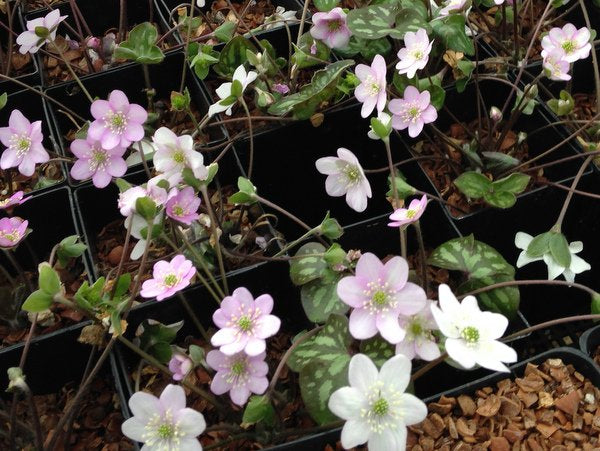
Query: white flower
point(375, 407)
point(277, 19)
point(415, 54)
point(200, 3)
point(225, 91)
point(174, 154)
point(164, 423)
point(577, 266)
point(345, 176)
point(472, 335)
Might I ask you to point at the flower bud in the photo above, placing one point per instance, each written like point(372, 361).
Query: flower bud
point(495, 114)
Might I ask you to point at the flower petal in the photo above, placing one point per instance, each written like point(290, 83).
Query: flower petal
point(362, 373)
point(354, 433)
point(413, 409)
point(396, 372)
point(173, 396)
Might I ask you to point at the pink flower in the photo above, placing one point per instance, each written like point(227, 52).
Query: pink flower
point(371, 91)
point(281, 88)
point(128, 198)
point(419, 340)
point(12, 231)
point(413, 111)
point(175, 153)
point(416, 53)
point(15, 199)
point(454, 6)
point(331, 28)
point(183, 206)
point(345, 176)
point(30, 41)
point(96, 162)
point(117, 122)
point(23, 141)
point(180, 365)
point(168, 278)
point(403, 216)
point(379, 294)
point(555, 66)
point(573, 42)
point(238, 374)
point(244, 323)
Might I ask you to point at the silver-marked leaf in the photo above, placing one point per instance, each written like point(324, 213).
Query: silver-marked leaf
point(409, 19)
point(310, 267)
point(319, 300)
point(514, 183)
point(451, 31)
point(373, 22)
point(473, 184)
point(503, 300)
point(378, 350)
point(500, 199)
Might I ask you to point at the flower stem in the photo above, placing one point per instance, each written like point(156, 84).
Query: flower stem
point(73, 74)
point(213, 227)
point(251, 135)
point(396, 204)
point(295, 242)
point(423, 255)
point(565, 206)
point(511, 283)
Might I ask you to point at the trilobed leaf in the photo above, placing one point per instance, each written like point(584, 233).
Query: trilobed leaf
point(319, 300)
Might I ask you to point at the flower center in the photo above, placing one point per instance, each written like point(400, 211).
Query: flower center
point(98, 160)
point(245, 324)
point(470, 334)
point(411, 213)
point(237, 372)
point(165, 431)
point(568, 46)
point(334, 25)
point(381, 407)
point(352, 174)
point(418, 54)
point(371, 85)
point(162, 430)
point(179, 157)
point(238, 368)
point(416, 329)
point(13, 236)
point(116, 122)
point(21, 144)
point(380, 297)
point(178, 210)
point(170, 280)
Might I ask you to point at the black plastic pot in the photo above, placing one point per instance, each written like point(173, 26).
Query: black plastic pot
point(285, 173)
point(589, 341)
point(34, 108)
point(128, 79)
point(100, 17)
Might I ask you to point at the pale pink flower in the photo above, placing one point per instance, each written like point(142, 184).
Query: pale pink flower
point(419, 340)
point(403, 216)
point(128, 198)
point(245, 323)
point(239, 374)
point(117, 122)
point(415, 55)
point(573, 42)
point(180, 365)
point(379, 294)
point(12, 231)
point(183, 206)
point(454, 6)
point(23, 141)
point(345, 175)
point(555, 66)
point(96, 162)
point(371, 91)
point(281, 88)
point(413, 111)
point(168, 278)
point(331, 28)
point(16, 199)
point(164, 423)
point(29, 39)
point(175, 153)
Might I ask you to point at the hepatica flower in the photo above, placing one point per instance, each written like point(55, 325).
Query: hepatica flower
point(375, 406)
point(16, 199)
point(23, 141)
point(164, 423)
point(331, 28)
point(577, 266)
point(415, 55)
point(30, 41)
point(117, 122)
point(168, 278)
point(454, 6)
point(345, 175)
point(472, 335)
point(239, 374)
point(413, 111)
point(229, 94)
point(555, 66)
point(245, 323)
point(12, 231)
point(371, 91)
point(379, 293)
point(175, 153)
point(404, 216)
point(183, 206)
point(96, 162)
point(180, 365)
point(419, 340)
point(573, 42)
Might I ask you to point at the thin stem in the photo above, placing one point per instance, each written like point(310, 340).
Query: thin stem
point(73, 74)
point(296, 242)
point(39, 441)
point(194, 317)
point(143, 158)
point(422, 250)
point(565, 206)
point(551, 323)
point(186, 47)
point(510, 283)
point(122, 14)
point(122, 259)
point(251, 158)
point(213, 227)
point(594, 55)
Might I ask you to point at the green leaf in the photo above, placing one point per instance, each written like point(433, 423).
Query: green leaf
point(409, 20)
point(303, 57)
point(320, 300)
point(140, 45)
point(325, 5)
point(3, 100)
point(404, 189)
point(514, 183)
point(503, 300)
point(146, 208)
point(48, 279)
point(451, 31)
point(500, 199)
point(595, 304)
point(563, 105)
point(202, 61)
point(473, 184)
point(233, 55)
point(322, 87)
point(527, 105)
point(559, 249)
point(70, 247)
point(378, 350)
point(225, 31)
point(161, 351)
point(259, 409)
point(90, 297)
point(197, 354)
point(497, 162)
point(311, 267)
point(122, 285)
point(372, 22)
point(539, 245)
point(38, 301)
point(122, 184)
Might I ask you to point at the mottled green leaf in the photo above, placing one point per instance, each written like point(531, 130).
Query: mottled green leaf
point(473, 184)
point(503, 300)
point(311, 267)
point(259, 409)
point(378, 350)
point(500, 199)
point(140, 45)
point(320, 299)
point(514, 183)
point(451, 31)
point(373, 22)
point(233, 55)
